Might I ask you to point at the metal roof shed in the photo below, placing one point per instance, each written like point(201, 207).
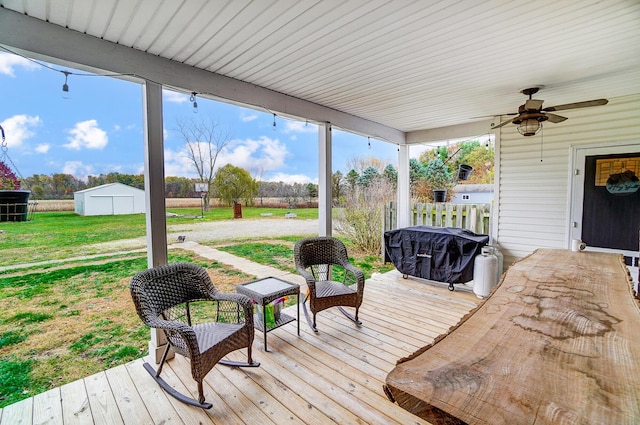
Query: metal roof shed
point(109, 199)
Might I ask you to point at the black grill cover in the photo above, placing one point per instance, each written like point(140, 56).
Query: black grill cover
point(443, 254)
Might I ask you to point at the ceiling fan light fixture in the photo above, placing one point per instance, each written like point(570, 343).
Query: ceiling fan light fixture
point(529, 127)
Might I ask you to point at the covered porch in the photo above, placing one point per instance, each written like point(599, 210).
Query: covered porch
point(407, 73)
point(336, 376)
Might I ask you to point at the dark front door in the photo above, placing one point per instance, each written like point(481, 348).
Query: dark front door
point(611, 208)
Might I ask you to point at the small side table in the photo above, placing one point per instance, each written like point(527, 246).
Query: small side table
point(263, 291)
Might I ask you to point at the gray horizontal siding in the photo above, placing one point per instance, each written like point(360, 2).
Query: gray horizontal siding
point(534, 194)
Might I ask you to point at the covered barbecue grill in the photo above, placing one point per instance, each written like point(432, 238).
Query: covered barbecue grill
point(443, 254)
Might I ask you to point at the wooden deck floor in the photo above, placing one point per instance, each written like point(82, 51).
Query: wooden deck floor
point(335, 376)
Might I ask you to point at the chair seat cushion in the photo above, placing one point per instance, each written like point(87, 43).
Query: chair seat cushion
point(210, 334)
point(329, 288)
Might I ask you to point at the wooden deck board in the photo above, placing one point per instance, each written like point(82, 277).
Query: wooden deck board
point(335, 376)
point(189, 415)
point(75, 404)
point(353, 381)
point(47, 407)
point(156, 401)
point(20, 413)
point(132, 408)
point(104, 409)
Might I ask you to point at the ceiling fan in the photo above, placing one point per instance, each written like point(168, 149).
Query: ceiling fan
point(531, 114)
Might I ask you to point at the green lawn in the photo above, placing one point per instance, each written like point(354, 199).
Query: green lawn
point(63, 321)
point(57, 235)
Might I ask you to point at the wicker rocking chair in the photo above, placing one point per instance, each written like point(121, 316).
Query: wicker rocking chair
point(320, 260)
point(170, 297)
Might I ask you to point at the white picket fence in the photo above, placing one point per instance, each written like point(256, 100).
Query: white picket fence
point(474, 217)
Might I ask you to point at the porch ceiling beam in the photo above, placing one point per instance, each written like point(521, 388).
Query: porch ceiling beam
point(55, 42)
point(472, 129)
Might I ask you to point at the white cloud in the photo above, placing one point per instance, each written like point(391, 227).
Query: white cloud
point(18, 128)
point(291, 178)
point(116, 127)
point(265, 153)
point(174, 96)
point(87, 135)
point(177, 163)
point(300, 127)
point(43, 148)
point(77, 169)
point(248, 118)
point(9, 62)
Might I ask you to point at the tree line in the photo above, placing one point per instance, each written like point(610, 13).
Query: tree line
point(432, 170)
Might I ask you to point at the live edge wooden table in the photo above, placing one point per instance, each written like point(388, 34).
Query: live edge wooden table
point(558, 342)
point(264, 291)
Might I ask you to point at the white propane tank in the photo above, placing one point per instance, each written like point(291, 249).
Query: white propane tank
point(500, 257)
point(485, 272)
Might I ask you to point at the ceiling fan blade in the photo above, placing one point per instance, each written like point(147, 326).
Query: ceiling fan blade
point(491, 116)
point(502, 123)
point(555, 118)
point(596, 102)
point(533, 104)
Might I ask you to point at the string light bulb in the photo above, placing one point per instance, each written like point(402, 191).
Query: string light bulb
point(369, 141)
point(192, 99)
point(65, 86)
point(274, 122)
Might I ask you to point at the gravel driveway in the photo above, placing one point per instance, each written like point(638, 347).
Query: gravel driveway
point(211, 231)
point(241, 229)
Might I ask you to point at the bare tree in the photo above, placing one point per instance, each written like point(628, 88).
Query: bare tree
point(205, 139)
point(362, 219)
point(257, 173)
point(360, 163)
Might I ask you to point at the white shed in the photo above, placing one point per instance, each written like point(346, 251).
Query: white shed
point(109, 199)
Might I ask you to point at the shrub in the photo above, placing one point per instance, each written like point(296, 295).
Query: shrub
point(8, 180)
point(362, 218)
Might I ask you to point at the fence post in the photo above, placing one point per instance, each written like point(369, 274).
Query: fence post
point(472, 219)
point(448, 222)
point(459, 215)
point(419, 221)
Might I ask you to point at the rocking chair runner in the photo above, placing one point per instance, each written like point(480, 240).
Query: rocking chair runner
point(164, 297)
point(320, 260)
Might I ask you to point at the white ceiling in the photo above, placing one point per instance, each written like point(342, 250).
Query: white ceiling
point(409, 65)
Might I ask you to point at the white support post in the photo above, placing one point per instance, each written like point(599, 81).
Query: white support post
point(324, 180)
point(404, 191)
point(154, 193)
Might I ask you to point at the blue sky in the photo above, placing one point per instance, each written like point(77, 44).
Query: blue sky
point(99, 129)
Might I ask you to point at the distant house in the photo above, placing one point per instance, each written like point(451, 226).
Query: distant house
point(109, 199)
point(472, 194)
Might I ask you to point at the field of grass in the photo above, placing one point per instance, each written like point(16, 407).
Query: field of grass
point(63, 321)
point(57, 235)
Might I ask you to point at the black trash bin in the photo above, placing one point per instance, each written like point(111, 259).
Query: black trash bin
point(14, 205)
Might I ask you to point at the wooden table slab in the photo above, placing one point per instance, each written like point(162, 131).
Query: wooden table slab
point(558, 342)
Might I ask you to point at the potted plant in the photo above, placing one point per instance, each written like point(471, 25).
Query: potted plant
point(439, 178)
